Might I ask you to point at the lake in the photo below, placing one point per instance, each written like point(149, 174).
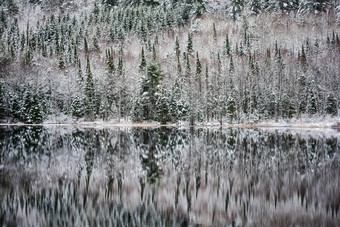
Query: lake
point(166, 176)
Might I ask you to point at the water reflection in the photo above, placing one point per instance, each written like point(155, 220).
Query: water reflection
point(168, 176)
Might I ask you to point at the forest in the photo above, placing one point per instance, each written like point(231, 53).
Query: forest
point(169, 61)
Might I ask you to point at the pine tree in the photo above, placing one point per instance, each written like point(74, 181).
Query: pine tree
point(189, 45)
point(162, 107)
point(231, 109)
point(105, 107)
point(2, 101)
point(177, 48)
point(303, 58)
point(149, 91)
point(142, 64)
point(110, 62)
point(12, 7)
point(255, 6)
point(77, 107)
point(27, 59)
point(227, 45)
point(288, 107)
point(312, 105)
point(32, 107)
point(90, 104)
point(154, 55)
point(86, 46)
point(331, 105)
point(16, 107)
point(80, 79)
point(175, 102)
point(214, 32)
point(235, 8)
point(302, 95)
point(137, 111)
point(198, 73)
point(96, 44)
point(61, 63)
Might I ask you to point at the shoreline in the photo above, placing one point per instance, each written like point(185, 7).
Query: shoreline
point(318, 125)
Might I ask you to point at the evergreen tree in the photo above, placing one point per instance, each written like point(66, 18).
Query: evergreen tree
point(110, 62)
point(331, 105)
point(227, 45)
point(77, 107)
point(86, 46)
point(137, 111)
point(142, 64)
point(96, 44)
point(162, 107)
point(302, 95)
point(105, 107)
point(61, 63)
point(189, 45)
point(36, 112)
point(312, 105)
point(90, 104)
point(231, 109)
point(255, 6)
point(235, 8)
point(32, 110)
point(154, 55)
point(12, 7)
point(149, 91)
point(198, 73)
point(27, 59)
point(177, 48)
point(303, 58)
point(214, 32)
point(288, 107)
point(2, 101)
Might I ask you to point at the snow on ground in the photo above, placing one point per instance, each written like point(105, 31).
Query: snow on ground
point(322, 122)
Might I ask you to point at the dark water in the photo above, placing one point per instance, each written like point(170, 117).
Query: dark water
point(62, 176)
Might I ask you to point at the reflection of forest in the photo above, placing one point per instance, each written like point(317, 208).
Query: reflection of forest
point(168, 175)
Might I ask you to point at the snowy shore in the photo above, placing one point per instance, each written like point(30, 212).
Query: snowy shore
point(302, 123)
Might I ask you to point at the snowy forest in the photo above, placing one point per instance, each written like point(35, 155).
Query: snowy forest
point(169, 60)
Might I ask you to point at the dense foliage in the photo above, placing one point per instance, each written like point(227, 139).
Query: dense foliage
point(169, 60)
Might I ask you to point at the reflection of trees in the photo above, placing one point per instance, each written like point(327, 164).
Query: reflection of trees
point(208, 175)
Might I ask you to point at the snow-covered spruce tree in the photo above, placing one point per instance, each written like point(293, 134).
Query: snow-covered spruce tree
point(12, 7)
point(61, 63)
point(288, 107)
point(209, 98)
point(255, 6)
point(137, 110)
point(198, 76)
point(122, 98)
point(227, 45)
point(108, 88)
point(173, 101)
point(35, 113)
point(77, 107)
point(189, 44)
point(312, 103)
point(90, 104)
point(142, 64)
point(231, 109)
point(331, 106)
point(105, 108)
point(2, 101)
point(235, 8)
point(149, 90)
point(162, 108)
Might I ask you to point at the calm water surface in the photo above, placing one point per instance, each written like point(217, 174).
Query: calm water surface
point(63, 176)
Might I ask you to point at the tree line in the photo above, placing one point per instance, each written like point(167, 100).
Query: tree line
point(232, 79)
